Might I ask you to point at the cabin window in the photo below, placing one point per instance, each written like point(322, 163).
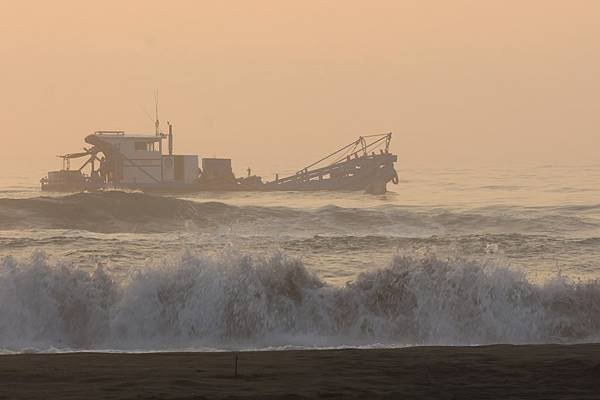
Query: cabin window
point(144, 146)
point(140, 145)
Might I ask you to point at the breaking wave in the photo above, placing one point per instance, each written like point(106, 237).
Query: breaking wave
point(116, 211)
point(235, 301)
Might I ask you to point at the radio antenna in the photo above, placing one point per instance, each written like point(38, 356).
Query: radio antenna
point(146, 113)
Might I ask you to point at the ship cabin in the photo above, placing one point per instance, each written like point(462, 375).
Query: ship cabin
point(137, 161)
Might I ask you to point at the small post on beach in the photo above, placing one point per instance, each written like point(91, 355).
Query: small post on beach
point(236, 362)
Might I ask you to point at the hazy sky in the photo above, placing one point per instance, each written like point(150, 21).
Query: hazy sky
point(274, 84)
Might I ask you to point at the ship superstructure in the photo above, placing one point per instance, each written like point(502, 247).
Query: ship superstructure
point(137, 161)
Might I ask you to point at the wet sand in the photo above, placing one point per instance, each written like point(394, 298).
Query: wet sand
point(489, 372)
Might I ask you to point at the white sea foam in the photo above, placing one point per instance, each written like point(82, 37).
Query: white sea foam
point(234, 301)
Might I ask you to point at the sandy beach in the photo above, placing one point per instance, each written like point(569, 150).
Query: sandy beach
point(501, 371)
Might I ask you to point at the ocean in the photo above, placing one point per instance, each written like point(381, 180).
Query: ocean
point(448, 256)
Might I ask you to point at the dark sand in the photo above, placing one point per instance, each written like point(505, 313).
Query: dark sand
point(490, 372)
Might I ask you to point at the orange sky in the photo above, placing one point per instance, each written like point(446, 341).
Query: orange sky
point(275, 84)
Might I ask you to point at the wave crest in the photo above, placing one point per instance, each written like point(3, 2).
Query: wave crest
point(238, 301)
point(116, 211)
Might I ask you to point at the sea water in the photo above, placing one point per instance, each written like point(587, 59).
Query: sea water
point(448, 256)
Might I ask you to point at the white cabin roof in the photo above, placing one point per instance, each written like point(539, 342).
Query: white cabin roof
point(122, 136)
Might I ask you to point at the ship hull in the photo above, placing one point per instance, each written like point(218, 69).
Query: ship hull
point(369, 184)
point(365, 184)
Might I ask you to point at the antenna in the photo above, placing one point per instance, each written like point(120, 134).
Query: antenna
point(146, 113)
point(156, 122)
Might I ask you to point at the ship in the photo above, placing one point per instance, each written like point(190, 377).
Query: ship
point(119, 160)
